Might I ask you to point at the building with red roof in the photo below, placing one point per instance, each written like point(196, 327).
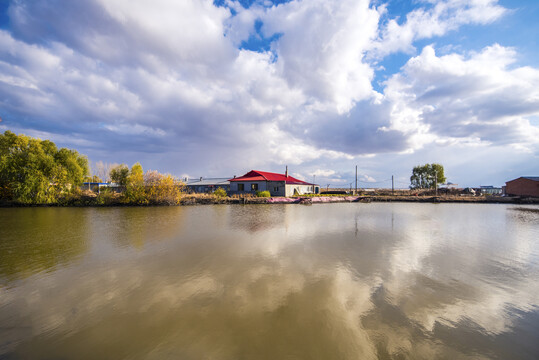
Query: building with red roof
point(276, 184)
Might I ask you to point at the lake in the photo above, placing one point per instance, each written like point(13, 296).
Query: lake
point(331, 281)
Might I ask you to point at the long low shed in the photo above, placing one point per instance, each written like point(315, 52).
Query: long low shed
point(206, 185)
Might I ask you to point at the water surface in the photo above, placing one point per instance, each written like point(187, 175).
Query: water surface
point(331, 281)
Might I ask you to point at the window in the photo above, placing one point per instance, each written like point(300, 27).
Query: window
point(276, 188)
point(254, 187)
point(241, 187)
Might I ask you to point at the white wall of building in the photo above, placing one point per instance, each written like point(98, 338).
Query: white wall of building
point(292, 189)
point(276, 188)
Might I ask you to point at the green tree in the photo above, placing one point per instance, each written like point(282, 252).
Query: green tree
point(119, 174)
point(134, 191)
point(75, 166)
point(426, 176)
point(35, 171)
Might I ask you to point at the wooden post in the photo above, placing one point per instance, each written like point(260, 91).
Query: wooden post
point(356, 181)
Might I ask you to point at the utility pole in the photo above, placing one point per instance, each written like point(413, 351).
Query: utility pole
point(392, 186)
point(313, 182)
point(355, 193)
point(436, 181)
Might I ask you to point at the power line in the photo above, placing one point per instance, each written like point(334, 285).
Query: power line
point(374, 182)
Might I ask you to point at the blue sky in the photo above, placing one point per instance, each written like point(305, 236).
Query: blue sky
point(217, 88)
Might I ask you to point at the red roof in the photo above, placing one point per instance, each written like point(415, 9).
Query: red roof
point(255, 175)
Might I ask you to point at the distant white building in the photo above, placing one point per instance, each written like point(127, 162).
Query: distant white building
point(97, 186)
point(490, 190)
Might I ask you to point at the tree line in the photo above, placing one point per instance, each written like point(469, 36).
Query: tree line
point(35, 171)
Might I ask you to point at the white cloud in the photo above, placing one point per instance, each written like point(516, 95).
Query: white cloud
point(325, 173)
point(367, 178)
point(437, 19)
point(322, 48)
point(465, 99)
point(167, 78)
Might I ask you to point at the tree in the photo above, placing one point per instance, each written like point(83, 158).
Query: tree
point(76, 167)
point(426, 176)
point(93, 179)
point(119, 174)
point(134, 191)
point(34, 171)
point(102, 170)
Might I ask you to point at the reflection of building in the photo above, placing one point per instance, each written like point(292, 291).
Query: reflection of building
point(208, 185)
point(276, 184)
point(523, 186)
point(490, 190)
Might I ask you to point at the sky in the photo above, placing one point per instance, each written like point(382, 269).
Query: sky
point(217, 88)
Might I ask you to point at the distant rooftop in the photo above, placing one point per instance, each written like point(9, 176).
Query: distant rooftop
point(255, 175)
point(534, 178)
point(208, 181)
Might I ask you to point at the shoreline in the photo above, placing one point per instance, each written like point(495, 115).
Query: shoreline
point(301, 200)
point(417, 199)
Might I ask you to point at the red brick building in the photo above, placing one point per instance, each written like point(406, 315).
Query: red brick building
point(523, 186)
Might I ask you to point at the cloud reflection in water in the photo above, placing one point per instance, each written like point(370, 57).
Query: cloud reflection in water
point(331, 281)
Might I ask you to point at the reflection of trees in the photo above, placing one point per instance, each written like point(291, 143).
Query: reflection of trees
point(37, 239)
point(136, 226)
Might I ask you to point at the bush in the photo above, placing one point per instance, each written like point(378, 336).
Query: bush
point(70, 198)
point(162, 189)
point(263, 194)
point(220, 192)
point(107, 197)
